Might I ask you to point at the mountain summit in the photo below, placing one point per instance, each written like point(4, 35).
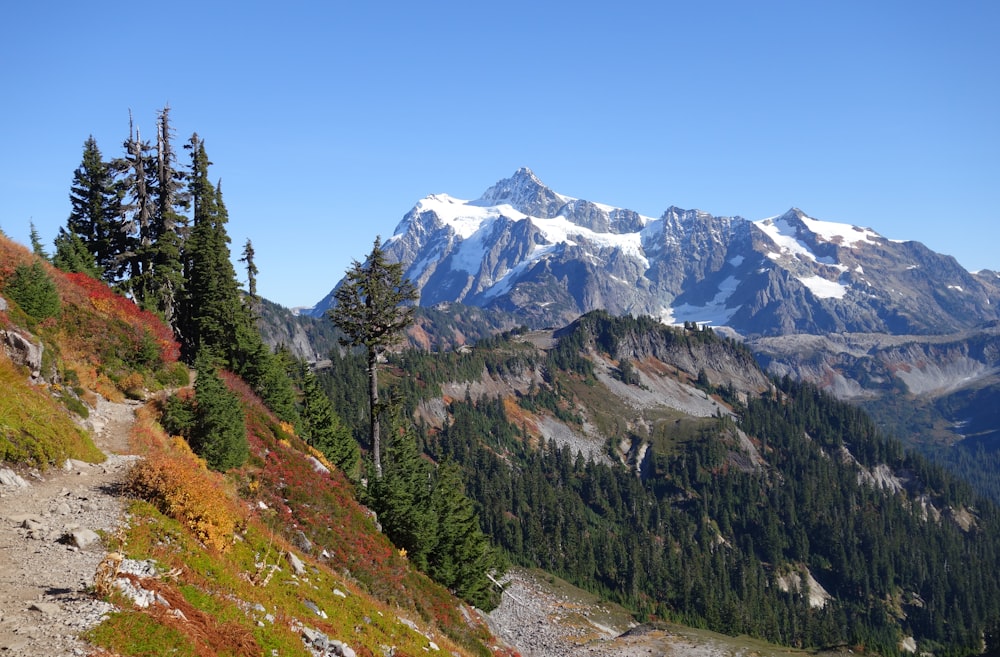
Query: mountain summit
point(547, 258)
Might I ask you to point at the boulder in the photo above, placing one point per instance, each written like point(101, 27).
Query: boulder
point(22, 350)
point(10, 478)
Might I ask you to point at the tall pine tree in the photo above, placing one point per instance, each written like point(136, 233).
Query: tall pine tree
point(167, 228)
point(374, 306)
point(135, 170)
point(211, 301)
point(95, 218)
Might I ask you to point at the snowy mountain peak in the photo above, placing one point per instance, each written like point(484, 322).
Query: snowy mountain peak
point(524, 249)
point(796, 224)
point(524, 192)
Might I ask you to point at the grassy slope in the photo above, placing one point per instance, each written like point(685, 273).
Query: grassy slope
point(225, 542)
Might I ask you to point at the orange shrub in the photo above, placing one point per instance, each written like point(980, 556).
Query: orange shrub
point(176, 482)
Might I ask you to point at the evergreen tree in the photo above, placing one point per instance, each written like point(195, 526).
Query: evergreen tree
point(324, 429)
point(36, 243)
point(373, 308)
point(211, 302)
point(96, 212)
point(73, 256)
point(252, 272)
point(402, 498)
point(167, 228)
point(136, 169)
point(219, 432)
point(32, 289)
point(213, 316)
point(462, 557)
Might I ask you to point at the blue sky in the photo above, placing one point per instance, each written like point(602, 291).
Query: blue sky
point(327, 121)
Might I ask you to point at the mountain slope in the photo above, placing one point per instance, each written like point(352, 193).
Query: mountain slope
point(547, 258)
point(276, 557)
point(811, 297)
point(662, 469)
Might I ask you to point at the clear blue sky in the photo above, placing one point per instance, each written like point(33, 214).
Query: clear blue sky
point(327, 121)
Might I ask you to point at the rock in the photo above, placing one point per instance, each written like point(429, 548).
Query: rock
point(10, 478)
point(47, 608)
point(302, 542)
point(315, 638)
point(21, 519)
point(81, 538)
point(63, 509)
point(298, 567)
point(22, 350)
point(314, 608)
point(339, 593)
point(317, 466)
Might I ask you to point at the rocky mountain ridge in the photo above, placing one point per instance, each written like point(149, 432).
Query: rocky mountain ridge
point(818, 300)
point(548, 258)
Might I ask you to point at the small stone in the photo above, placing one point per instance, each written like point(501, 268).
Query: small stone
point(81, 538)
point(47, 608)
point(298, 567)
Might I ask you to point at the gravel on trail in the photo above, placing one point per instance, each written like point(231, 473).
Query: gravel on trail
point(50, 525)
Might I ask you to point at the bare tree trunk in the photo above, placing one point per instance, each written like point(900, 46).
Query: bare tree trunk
point(375, 430)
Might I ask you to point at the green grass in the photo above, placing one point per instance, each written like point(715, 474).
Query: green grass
point(34, 428)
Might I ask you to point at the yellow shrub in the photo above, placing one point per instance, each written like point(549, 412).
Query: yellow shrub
point(180, 491)
point(174, 480)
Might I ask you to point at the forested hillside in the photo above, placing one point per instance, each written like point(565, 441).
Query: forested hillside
point(784, 515)
point(246, 517)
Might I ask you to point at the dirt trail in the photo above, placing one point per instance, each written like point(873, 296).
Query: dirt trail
point(48, 551)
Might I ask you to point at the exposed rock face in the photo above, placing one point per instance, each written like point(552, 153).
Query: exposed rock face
point(21, 348)
point(817, 300)
point(547, 258)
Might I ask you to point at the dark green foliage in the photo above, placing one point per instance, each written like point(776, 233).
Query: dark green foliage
point(212, 422)
point(324, 429)
point(402, 498)
point(33, 291)
point(374, 306)
point(178, 416)
point(462, 557)
point(72, 255)
point(425, 511)
point(96, 211)
point(218, 433)
point(252, 270)
point(627, 373)
point(167, 229)
point(36, 244)
point(212, 311)
point(345, 383)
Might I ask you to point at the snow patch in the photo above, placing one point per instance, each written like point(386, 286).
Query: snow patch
point(715, 312)
point(843, 234)
point(823, 288)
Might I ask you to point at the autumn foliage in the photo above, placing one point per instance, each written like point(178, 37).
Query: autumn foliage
point(180, 486)
point(110, 304)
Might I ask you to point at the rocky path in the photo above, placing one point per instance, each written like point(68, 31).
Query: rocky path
point(49, 542)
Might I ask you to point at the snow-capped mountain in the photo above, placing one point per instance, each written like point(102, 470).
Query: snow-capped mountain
point(547, 258)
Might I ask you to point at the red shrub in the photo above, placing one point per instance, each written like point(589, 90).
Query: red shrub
point(107, 302)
